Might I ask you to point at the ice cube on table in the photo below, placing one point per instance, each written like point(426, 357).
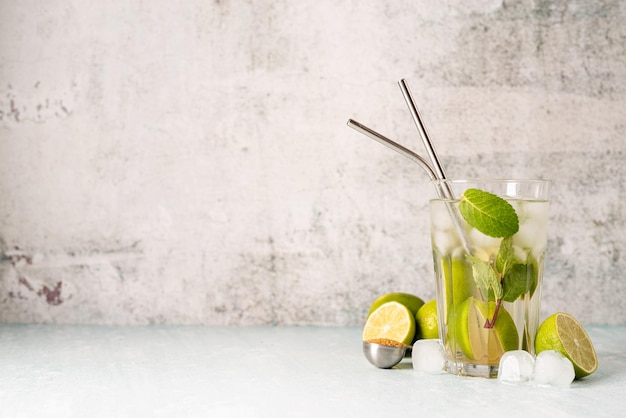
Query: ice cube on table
point(516, 367)
point(553, 369)
point(428, 356)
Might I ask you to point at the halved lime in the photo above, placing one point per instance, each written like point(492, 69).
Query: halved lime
point(484, 345)
point(562, 333)
point(393, 321)
point(459, 280)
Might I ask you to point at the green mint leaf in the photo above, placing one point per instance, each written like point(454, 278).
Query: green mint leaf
point(488, 213)
point(486, 278)
point(517, 281)
point(505, 256)
point(533, 276)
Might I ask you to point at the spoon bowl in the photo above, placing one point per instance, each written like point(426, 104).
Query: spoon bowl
point(384, 356)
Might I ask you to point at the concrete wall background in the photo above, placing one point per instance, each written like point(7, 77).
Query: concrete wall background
point(189, 162)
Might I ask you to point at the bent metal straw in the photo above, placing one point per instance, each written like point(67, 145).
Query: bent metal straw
point(435, 170)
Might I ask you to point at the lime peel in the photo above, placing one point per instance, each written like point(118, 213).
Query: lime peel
point(561, 332)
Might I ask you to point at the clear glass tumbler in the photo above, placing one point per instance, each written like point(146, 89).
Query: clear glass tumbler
point(488, 272)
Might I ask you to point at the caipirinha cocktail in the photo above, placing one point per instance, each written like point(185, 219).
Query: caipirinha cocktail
point(488, 249)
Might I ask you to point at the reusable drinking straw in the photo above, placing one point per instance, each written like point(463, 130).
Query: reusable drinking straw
point(430, 150)
point(434, 171)
point(443, 186)
point(394, 146)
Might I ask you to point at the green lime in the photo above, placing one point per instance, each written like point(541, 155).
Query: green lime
point(459, 279)
point(460, 285)
point(427, 321)
point(562, 333)
point(410, 301)
point(393, 321)
point(484, 345)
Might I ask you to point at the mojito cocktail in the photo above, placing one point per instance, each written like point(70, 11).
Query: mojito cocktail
point(489, 244)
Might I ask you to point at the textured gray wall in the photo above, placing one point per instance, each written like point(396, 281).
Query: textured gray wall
point(189, 162)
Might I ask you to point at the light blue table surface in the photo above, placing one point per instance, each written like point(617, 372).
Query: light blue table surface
point(184, 371)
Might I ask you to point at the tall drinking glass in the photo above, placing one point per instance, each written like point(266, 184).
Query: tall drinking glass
point(488, 271)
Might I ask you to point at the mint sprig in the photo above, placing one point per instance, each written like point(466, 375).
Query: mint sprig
point(515, 282)
point(505, 277)
point(505, 255)
point(486, 277)
point(489, 213)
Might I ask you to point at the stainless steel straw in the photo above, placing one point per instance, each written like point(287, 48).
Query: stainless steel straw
point(442, 192)
point(443, 187)
point(394, 146)
point(430, 149)
point(434, 169)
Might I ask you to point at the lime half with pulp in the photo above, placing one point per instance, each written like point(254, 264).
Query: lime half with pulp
point(562, 333)
point(393, 321)
point(479, 342)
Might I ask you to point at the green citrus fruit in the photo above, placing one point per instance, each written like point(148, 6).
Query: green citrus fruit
point(393, 321)
point(562, 333)
point(460, 285)
point(484, 345)
point(427, 321)
point(459, 279)
point(410, 301)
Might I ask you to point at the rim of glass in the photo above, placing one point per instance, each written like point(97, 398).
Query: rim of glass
point(491, 180)
point(451, 189)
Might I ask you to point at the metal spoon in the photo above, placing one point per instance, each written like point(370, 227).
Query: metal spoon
point(384, 356)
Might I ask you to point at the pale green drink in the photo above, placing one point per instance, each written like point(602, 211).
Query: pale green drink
point(488, 251)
